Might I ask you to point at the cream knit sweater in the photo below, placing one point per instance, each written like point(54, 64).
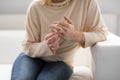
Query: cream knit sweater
point(85, 15)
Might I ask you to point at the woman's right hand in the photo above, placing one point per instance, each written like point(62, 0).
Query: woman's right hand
point(53, 40)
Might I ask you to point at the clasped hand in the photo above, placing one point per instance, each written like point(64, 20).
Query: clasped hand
point(60, 30)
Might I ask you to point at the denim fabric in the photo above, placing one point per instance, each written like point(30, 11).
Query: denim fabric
point(27, 68)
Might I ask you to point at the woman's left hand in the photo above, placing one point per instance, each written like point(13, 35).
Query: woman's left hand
point(67, 29)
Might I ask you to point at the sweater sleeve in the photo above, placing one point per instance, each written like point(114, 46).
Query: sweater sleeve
point(32, 45)
point(94, 30)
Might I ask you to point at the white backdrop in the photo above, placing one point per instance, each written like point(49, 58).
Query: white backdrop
point(13, 11)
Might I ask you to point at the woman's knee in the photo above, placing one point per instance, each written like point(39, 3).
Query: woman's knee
point(65, 67)
point(24, 59)
point(21, 58)
point(27, 68)
point(22, 55)
point(60, 66)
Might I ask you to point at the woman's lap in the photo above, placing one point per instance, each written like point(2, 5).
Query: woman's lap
point(27, 68)
point(55, 71)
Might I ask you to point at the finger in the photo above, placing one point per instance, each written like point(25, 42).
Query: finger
point(61, 35)
point(56, 44)
point(52, 46)
point(64, 29)
point(56, 22)
point(64, 24)
point(55, 28)
point(68, 20)
point(52, 39)
point(49, 35)
point(56, 41)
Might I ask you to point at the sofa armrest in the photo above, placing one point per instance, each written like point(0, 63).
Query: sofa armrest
point(106, 56)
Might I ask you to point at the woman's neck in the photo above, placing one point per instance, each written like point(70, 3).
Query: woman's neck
point(57, 1)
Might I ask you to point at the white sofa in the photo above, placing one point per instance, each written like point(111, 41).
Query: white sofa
point(105, 54)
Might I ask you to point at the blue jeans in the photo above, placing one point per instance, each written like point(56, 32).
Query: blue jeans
point(27, 68)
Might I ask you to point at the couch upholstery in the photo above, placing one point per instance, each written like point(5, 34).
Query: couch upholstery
point(106, 55)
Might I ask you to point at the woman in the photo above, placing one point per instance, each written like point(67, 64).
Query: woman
point(55, 30)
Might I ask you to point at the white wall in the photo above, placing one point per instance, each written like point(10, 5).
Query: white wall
point(110, 6)
point(12, 21)
point(111, 9)
point(111, 22)
point(20, 6)
point(12, 14)
point(13, 6)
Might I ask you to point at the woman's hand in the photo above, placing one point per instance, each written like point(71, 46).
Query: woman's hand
point(53, 41)
point(66, 29)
